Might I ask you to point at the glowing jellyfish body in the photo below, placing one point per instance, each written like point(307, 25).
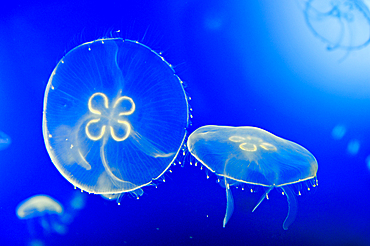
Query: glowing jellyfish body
point(37, 206)
point(253, 156)
point(343, 24)
point(43, 209)
point(115, 116)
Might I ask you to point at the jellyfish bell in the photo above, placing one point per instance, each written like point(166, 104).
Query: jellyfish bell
point(42, 208)
point(115, 116)
point(37, 206)
point(253, 156)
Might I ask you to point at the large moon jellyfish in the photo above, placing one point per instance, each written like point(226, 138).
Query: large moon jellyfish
point(115, 116)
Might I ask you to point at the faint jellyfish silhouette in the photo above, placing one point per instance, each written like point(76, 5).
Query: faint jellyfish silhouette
point(36, 242)
point(77, 203)
point(338, 132)
point(115, 116)
point(341, 24)
point(4, 141)
point(44, 211)
point(368, 162)
point(254, 156)
point(353, 147)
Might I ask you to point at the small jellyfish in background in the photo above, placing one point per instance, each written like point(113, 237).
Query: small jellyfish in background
point(353, 147)
point(367, 160)
point(4, 140)
point(254, 156)
point(36, 242)
point(338, 132)
point(44, 211)
point(341, 24)
point(72, 208)
point(115, 116)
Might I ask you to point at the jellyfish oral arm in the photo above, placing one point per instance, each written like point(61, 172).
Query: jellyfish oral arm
point(106, 166)
point(292, 207)
point(229, 203)
point(263, 198)
point(149, 148)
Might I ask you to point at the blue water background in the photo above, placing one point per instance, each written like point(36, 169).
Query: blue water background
point(249, 63)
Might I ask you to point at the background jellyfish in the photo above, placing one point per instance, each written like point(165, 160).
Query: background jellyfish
point(338, 132)
point(73, 207)
point(115, 116)
point(353, 147)
point(367, 160)
point(45, 215)
point(4, 141)
point(44, 211)
point(254, 156)
point(341, 24)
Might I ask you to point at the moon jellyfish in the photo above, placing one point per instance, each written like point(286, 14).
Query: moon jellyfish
point(115, 116)
point(44, 211)
point(254, 156)
point(4, 141)
point(343, 24)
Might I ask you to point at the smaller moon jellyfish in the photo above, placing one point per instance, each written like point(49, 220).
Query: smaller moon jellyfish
point(341, 24)
point(44, 211)
point(254, 156)
point(115, 116)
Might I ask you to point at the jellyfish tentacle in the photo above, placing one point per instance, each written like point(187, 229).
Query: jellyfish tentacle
point(148, 147)
point(45, 224)
point(341, 36)
point(229, 203)
point(105, 164)
point(292, 207)
point(263, 198)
